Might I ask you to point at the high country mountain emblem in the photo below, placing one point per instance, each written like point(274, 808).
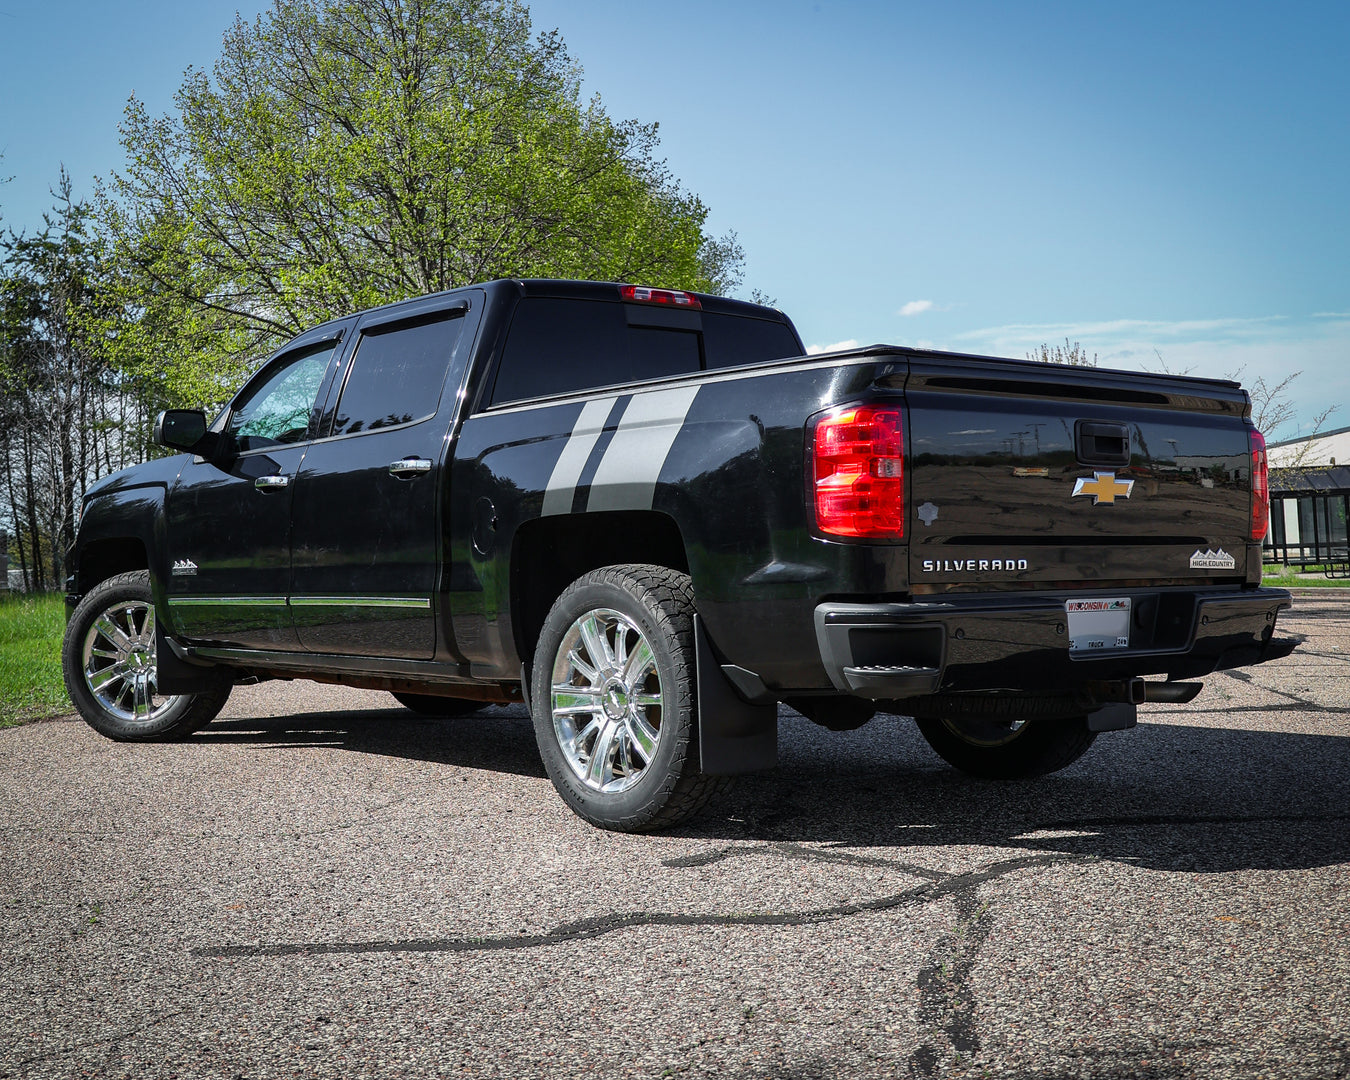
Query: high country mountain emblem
point(184, 568)
point(1103, 487)
point(1213, 560)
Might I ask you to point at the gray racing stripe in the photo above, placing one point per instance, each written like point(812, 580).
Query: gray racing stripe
point(626, 478)
point(562, 482)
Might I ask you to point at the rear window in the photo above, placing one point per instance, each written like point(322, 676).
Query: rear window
point(731, 340)
point(557, 346)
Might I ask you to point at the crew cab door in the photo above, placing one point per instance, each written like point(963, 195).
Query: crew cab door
point(227, 520)
point(365, 538)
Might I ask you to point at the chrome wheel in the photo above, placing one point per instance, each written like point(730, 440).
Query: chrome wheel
point(119, 663)
point(606, 701)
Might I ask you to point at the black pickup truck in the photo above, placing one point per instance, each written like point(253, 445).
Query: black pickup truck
point(649, 517)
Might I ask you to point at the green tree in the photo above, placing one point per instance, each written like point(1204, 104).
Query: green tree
point(344, 153)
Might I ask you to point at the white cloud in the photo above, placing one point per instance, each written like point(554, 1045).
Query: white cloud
point(916, 307)
point(838, 346)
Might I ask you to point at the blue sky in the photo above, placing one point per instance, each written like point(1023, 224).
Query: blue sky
point(974, 176)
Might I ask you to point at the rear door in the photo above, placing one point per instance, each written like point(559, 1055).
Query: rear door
point(365, 535)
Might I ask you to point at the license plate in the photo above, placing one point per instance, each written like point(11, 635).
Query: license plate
point(1098, 625)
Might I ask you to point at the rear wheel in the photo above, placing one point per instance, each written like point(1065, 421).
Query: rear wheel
point(110, 667)
point(432, 705)
point(614, 699)
point(1003, 748)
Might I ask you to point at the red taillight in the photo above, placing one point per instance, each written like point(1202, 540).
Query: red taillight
point(643, 295)
point(859, 472)
point(1260, 486)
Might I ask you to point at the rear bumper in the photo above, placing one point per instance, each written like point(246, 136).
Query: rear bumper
point(1019, 641)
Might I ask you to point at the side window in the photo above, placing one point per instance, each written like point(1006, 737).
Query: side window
point(556, 346)
point(278, 409)
point(397, 374)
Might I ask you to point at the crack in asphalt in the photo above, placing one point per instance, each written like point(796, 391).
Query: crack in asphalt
point(585, 929)
point(946, 1000)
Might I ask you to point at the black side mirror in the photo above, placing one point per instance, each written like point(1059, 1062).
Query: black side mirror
point(181, 429)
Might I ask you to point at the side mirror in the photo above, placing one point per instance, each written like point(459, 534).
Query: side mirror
point(180, 429)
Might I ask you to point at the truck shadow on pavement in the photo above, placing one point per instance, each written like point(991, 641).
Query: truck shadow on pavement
point(1163, 796)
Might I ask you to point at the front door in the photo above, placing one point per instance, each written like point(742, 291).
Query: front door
point(228, 520)
point(365, 546)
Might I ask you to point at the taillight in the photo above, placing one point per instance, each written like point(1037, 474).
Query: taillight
point(643, 295)
point(1260, 486)
point(858, 467)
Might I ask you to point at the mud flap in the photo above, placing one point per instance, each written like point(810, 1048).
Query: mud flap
point(176, 675)
point(734, 736)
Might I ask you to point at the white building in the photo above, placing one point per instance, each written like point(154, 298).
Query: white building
point(1327, 448)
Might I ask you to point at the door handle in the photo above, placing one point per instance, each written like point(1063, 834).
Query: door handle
point(409, 468)
point(272, 483)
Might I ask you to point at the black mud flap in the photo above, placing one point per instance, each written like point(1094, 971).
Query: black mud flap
point(734, 736)
point(176, 675)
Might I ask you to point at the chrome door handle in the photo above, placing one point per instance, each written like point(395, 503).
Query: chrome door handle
point(409, 467)
point(272, 483)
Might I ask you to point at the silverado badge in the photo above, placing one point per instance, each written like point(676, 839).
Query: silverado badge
point(184, 568)
point(1103, 487)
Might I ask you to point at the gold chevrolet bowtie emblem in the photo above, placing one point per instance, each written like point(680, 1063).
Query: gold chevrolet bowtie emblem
point(1103, 487)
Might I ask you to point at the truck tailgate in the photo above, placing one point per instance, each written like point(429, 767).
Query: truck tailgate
point(1026, 475)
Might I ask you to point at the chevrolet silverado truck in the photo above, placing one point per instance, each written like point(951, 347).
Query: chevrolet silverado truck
point(648, 517)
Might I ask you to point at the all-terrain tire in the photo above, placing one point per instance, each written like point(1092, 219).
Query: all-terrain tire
point(108, 660)
point(594, 717)
point(977, 746)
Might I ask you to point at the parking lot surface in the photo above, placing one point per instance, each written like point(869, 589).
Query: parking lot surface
point(322, 884)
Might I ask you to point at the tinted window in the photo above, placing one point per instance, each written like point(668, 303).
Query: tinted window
point(556, 346)
point(729, 340)
point(396, 375)
point(278, 409)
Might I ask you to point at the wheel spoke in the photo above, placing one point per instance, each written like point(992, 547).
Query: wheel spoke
point(105, 654)
point(641, 659)
point(140, 697)
point(647, 700)
point(104, 677)
point(578, 741)
point(113, 633)
point(643, 736)
point(600, 770)
point(590, 674)
point(597, 646)
point(148, 627)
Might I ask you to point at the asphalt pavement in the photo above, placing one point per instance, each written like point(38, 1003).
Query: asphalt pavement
point(323, 884)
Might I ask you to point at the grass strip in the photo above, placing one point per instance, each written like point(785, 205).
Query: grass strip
point(31, 686)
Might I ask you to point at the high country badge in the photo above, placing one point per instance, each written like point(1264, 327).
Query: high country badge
point(1103, 487)
point(1213, 560)
point(184, 568)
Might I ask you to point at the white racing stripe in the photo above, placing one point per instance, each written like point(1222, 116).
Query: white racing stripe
point(626, 478)
point(562, 483)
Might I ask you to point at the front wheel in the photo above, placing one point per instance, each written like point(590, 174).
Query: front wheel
point(109, 662)
point(614, 699)
point(998, 748)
